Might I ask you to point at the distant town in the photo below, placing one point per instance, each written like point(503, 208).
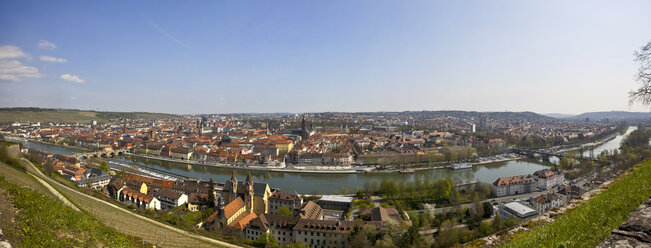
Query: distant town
point(330, 143)
point(322, 142)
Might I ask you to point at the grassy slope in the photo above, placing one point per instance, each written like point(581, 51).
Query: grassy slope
point(17, 177)
point(45, 222)
point(591, 222)
point(62, 115)
point(130, 225)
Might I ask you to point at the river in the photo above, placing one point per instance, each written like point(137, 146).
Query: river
point(610, 145)
point(329, 183)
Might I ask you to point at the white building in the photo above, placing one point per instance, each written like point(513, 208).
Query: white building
point(547, 179)
point(546, 202)
point(170, 199)
point(335, 202)
point(517, 210)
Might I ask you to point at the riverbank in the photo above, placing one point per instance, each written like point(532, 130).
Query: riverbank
point(50, 143)
point(291, 169)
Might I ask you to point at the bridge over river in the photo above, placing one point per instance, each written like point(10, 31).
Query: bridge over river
point(100, 154)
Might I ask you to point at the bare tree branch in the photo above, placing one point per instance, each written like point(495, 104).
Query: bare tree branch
point(643, 76)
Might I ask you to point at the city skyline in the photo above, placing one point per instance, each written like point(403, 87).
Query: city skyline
point(246, 57)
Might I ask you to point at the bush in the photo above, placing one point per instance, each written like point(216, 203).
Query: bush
point(11, 161)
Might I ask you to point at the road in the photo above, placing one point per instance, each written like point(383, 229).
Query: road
point(434, 230)
point(33, 169)
point(376, 200)
point(498, 199)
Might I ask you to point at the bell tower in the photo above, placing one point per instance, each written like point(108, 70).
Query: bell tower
point(233, 184)
point(249, 193)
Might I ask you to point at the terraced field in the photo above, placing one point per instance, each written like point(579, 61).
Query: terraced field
point(135, 225)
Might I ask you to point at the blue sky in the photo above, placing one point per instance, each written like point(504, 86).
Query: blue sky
point(309, 56)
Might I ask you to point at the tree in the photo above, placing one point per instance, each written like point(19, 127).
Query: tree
point(296, 245)
point(411, 237)
point(476, 212)
point(485, 228)
point(497, 223)
point(385, 242)
point(488, 209)
point(211, 193)
point(357, 239)
point(104, 166)
point(447, 236)
point(643, 76)
point(284, 211)
point(265, 240)
point(48, 168)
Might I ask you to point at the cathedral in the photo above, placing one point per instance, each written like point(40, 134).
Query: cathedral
point(254, 194)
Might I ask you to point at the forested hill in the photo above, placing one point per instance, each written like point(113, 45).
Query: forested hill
point(8, 115)
point(614, 116)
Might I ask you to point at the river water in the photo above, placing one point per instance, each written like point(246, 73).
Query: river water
point(611, 145)
point(328, 183)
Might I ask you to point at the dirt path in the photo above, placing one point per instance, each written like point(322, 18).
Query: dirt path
point(56, 193)
point(186, 233)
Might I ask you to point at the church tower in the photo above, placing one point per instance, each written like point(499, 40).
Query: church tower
point(248, 197)
point(303, 128)
point(233, 183)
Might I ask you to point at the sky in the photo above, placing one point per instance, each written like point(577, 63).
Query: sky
point(319, 56)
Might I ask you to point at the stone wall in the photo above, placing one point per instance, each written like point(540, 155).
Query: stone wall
point(634, 232)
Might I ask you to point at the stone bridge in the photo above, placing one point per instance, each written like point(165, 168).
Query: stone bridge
point(100, 154)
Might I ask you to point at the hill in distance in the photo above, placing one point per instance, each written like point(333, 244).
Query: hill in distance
point(614, 116)
point(558, 115)
point(8, 115)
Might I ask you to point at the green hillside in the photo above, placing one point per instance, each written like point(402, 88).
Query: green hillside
point(592, 222)
point(8, 115)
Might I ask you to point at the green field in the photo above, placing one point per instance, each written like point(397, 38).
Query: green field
point(128, 224)
point(591, 222)
point(8, 115)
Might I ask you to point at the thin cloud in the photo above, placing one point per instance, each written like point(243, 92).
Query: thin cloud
point(53, 59)
point(72, 78)
point(167, 35)
point(12, 70)
point(12, 52)
point(44, 44)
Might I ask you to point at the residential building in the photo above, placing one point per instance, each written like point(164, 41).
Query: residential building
point(547, 179)
point(170, 199)
point(94, 178)
point(513, 185)
point(546, 202)
point(198, 202)
point(139, 199)
point(292, 201)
